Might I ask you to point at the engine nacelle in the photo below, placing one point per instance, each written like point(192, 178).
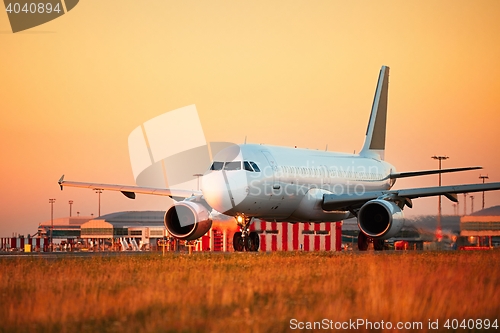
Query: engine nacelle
point(380, 219)
point(187, 220)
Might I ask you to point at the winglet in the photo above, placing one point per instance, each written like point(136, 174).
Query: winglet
point(61, 181)
point(374, 145)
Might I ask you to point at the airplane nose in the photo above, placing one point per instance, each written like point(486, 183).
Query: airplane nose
point(224, 190)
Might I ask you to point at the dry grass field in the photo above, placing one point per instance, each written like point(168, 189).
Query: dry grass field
point(244, 292)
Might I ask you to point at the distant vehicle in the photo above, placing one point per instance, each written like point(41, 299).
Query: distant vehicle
point(251, 182)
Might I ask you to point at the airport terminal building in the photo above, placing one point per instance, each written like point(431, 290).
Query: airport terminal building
point(137, 230)
point(481, 229)
point(144, 230)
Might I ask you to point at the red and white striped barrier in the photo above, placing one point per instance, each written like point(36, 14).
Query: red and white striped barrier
point(9, 243)
point(299, 236)
point(279, 237)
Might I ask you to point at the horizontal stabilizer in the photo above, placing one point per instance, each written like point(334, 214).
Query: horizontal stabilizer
point(429, 172)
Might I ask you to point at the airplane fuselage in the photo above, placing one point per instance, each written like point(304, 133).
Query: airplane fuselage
point(287, 184)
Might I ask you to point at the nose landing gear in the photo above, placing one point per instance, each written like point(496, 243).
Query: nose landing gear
point(238, 242)
point(244, 239)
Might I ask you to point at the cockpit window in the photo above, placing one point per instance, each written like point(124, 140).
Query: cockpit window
point(235, 165)
point(255, 167)
point(217, 166)
point(246, 166)
point(232, 166)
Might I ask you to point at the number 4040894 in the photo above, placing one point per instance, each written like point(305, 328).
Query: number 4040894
point(33, 8)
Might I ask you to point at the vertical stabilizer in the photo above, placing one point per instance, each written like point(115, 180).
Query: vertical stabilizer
point(374, 145)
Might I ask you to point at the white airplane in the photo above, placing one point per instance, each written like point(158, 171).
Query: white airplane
point(259, 182)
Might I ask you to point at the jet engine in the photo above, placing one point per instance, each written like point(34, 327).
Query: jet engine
point(380, 219)
point(187, 220)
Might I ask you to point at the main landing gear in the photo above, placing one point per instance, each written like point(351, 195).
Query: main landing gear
point(364, 240)
point(244, 239)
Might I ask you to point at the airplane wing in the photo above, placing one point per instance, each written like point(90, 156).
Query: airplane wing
point(130, 191)
point(352, 201)
point(429, 172)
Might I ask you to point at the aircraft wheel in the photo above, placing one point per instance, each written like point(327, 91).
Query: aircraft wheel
point(362, 241)
point(238, 242)
point(256, 241)
point(378, 244)
point(252, 242)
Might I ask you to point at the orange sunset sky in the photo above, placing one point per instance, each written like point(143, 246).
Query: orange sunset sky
point(278, 72)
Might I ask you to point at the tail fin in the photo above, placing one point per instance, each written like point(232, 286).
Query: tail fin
point(374, 145)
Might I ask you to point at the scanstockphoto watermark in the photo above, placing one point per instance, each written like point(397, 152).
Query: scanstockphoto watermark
point(309, 170)
point(298, 181)
point(268, 188)
point(357, 324)
point(369, 325)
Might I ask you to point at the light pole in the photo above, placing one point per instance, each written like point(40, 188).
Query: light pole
point(438, 231)
point(51, 201)
point(465, 203)
point(99, 191)
point(483, 178)
point(70, 204)
point(472, 204)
